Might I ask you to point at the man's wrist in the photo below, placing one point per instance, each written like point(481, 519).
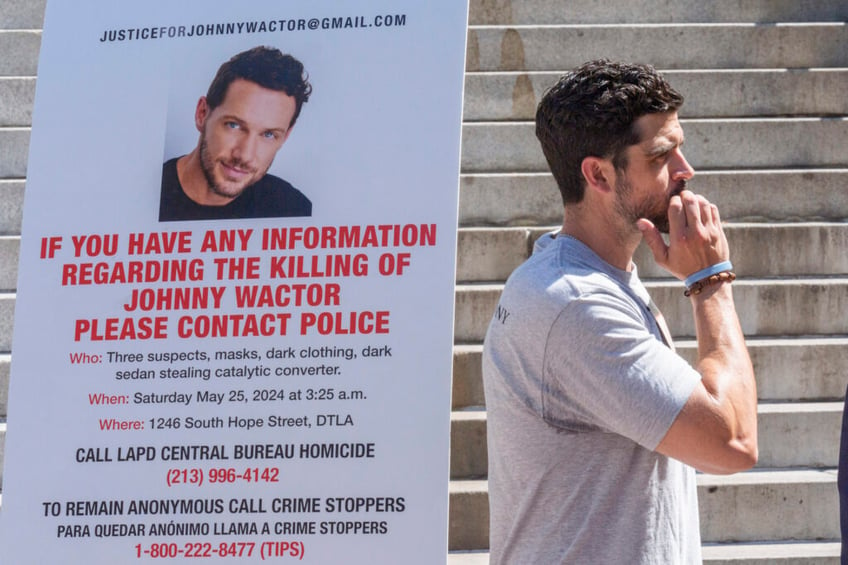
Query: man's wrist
point(708, 272)
point(714, 281)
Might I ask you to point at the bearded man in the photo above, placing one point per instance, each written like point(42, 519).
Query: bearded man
point(246, 116)
point(595, 424)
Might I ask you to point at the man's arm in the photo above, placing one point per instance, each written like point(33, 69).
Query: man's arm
point(716, 431)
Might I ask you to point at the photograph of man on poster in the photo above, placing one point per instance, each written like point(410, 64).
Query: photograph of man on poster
point(245, 118)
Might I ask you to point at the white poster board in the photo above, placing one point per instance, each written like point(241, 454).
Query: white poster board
point(239, 390)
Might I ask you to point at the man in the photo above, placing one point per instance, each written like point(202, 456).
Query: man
point(594, 423)
point(244, 119)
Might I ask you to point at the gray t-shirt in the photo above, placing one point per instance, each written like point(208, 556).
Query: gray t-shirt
point(580, 389)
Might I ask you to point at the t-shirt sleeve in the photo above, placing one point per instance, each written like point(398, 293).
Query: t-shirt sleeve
point(605, 370)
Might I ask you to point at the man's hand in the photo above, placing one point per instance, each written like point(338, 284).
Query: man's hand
point(716, 431)
point(696, 238)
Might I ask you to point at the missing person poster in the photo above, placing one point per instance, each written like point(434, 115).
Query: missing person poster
point(233, 325)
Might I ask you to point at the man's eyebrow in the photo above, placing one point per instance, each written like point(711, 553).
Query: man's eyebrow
point(658, 149)
point(234, 118)
point(281, 131)
point(663, 147)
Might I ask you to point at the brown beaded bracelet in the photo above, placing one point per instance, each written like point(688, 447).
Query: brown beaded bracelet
point(697, 287)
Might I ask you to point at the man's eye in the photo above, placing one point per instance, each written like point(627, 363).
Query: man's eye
point(270, 135)
point(231, 125)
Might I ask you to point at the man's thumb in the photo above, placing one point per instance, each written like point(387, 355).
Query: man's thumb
point(653, 239)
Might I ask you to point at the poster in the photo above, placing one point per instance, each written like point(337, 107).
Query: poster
point(269, 384)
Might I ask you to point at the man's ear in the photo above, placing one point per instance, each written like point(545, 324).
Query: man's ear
point(598, 174)
point(201, 113)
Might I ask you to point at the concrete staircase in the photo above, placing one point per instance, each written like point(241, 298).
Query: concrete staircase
point(766, 129)
point(20, 36)
point(766, 122)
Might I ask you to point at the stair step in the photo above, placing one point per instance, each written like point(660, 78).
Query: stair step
point(480, 557)
point(10, 247)
point(468, 451)
point(776, 250)
point(7, 315)
point(14, 146)
point(755, 506)
point(800, 306)
point(491, 254)
point(5, 364)
point(514, 96)
point(775, 553)
point(769, 505)
point(493, 12)
point(801, 369)
point(467, 386)
point(495, 96)
point(696, 46)
point(752, 553)
point(468, 522)
point(490, 147)
point(509, 199)
point(790, 435)
point(557, 47)
point(16, 100)
point(512, 146)
point(533, 199)
point(20, 50)
point(29, 14)
point(799, 434)
point(11, 207)
point(2, 447)
point(22, 14)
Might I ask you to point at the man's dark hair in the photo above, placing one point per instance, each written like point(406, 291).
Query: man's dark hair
point(591, 111)
point(269, 68)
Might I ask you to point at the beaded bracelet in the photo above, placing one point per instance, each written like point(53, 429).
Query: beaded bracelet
point(704, 273)
point(697, 287)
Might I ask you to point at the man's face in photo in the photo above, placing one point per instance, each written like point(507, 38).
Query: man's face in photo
point(240, 137)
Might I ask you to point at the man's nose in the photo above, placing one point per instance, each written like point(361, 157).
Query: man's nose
point(245, 149)
point(682, 169)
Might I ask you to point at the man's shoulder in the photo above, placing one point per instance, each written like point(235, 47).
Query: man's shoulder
point(278, 197)
point(273, 182)
point(555, 272)
point(172, 199)
point(169, 171)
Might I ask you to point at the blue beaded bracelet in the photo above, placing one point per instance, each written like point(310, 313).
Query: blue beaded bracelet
point(708, 272)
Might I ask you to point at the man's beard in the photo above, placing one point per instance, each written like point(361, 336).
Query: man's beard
point(207, 165)
point(655, 209)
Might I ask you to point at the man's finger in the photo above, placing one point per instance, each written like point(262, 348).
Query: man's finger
point(654, 240)
point(692, 205)
point(676, 217)
point(716, 214)
point(706, 211)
